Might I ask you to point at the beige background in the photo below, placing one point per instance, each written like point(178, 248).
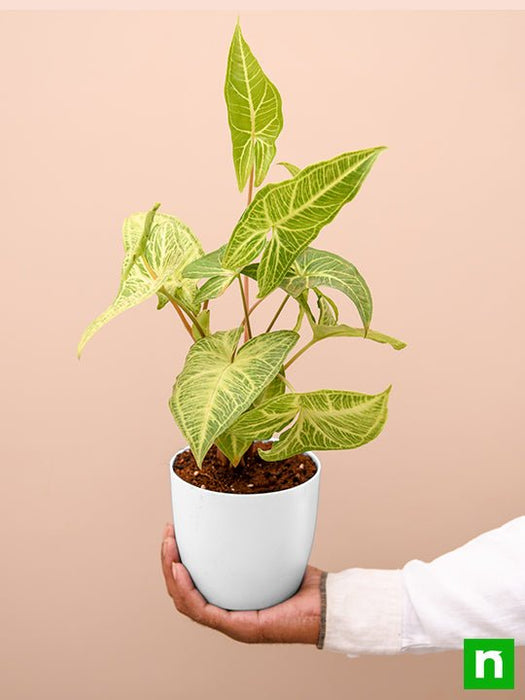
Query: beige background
point(103, 114)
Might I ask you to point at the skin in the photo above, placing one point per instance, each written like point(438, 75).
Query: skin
point(296, 620)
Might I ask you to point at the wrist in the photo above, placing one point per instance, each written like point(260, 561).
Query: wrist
point(322, 617)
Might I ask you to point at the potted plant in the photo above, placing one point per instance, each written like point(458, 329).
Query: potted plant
point(245, 490)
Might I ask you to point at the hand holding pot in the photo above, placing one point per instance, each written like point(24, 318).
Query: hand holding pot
point(296, 620)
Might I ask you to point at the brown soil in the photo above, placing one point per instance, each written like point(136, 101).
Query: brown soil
point(253, 475)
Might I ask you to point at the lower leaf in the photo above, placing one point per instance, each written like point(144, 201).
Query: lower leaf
point(318, 420)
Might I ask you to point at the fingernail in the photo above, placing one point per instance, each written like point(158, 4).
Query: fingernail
point(174, 570)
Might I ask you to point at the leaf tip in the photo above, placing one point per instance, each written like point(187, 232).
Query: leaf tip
point(80, 347)
point(262, 454)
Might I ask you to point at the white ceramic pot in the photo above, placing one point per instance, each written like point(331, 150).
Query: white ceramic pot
point(245, 551)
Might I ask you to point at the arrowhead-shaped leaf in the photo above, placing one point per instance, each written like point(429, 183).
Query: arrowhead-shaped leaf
point(320, 268)
point(323, 420)
point(295, 211)
point(168, 248)
point(216, 384)
point(254, 112)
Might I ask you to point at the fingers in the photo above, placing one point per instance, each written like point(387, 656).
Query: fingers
point(242, 626)
point(187, 598)
point(180, 587)
point(249, 626)
point(190, 602)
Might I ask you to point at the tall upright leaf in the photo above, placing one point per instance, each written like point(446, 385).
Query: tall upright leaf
point(323, 420)
point(217, 383)
point(254, 112)
point(294, 210)
point(168, 248)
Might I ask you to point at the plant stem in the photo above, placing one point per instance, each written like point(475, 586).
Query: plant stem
point(252, 308)
point(247, 327)
point(221, 457)
point(286, 382)
point(194, 320)
point(255, 305)
point(246, 281)
point(299, 321)
point(173, 302)
point(300, 352)
point(250, 186)
point(308, 311)
point(277, 313)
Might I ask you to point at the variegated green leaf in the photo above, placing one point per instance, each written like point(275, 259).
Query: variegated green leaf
point(295, 211)
point(168, 248)
point(292, 169)
point(254, 112)
point(320, 268)
point(323, 420)
point(209, 266)
point(172, 241)
point(217, 383)
point(341, 329)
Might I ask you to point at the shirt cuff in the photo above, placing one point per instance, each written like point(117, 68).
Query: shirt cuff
point(361, 612)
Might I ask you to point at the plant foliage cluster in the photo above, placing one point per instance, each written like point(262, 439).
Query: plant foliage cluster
point(233, 388)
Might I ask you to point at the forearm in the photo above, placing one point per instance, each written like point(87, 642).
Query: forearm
point(477, 590)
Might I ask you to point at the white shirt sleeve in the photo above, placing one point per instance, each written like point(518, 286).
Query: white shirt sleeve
point(475, 591)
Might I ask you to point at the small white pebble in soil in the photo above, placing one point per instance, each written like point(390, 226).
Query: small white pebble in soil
point(301, 466)
point(203, 487)
point(233, 489)
point(250, 486)
point(195, 473)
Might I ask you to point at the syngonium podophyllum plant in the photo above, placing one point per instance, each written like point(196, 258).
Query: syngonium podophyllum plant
point(233, 389)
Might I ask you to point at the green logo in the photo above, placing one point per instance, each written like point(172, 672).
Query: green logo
point(488, 663)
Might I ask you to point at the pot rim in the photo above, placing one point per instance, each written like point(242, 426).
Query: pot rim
point(312, 456)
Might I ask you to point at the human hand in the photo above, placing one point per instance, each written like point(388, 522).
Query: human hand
point(296, 620)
